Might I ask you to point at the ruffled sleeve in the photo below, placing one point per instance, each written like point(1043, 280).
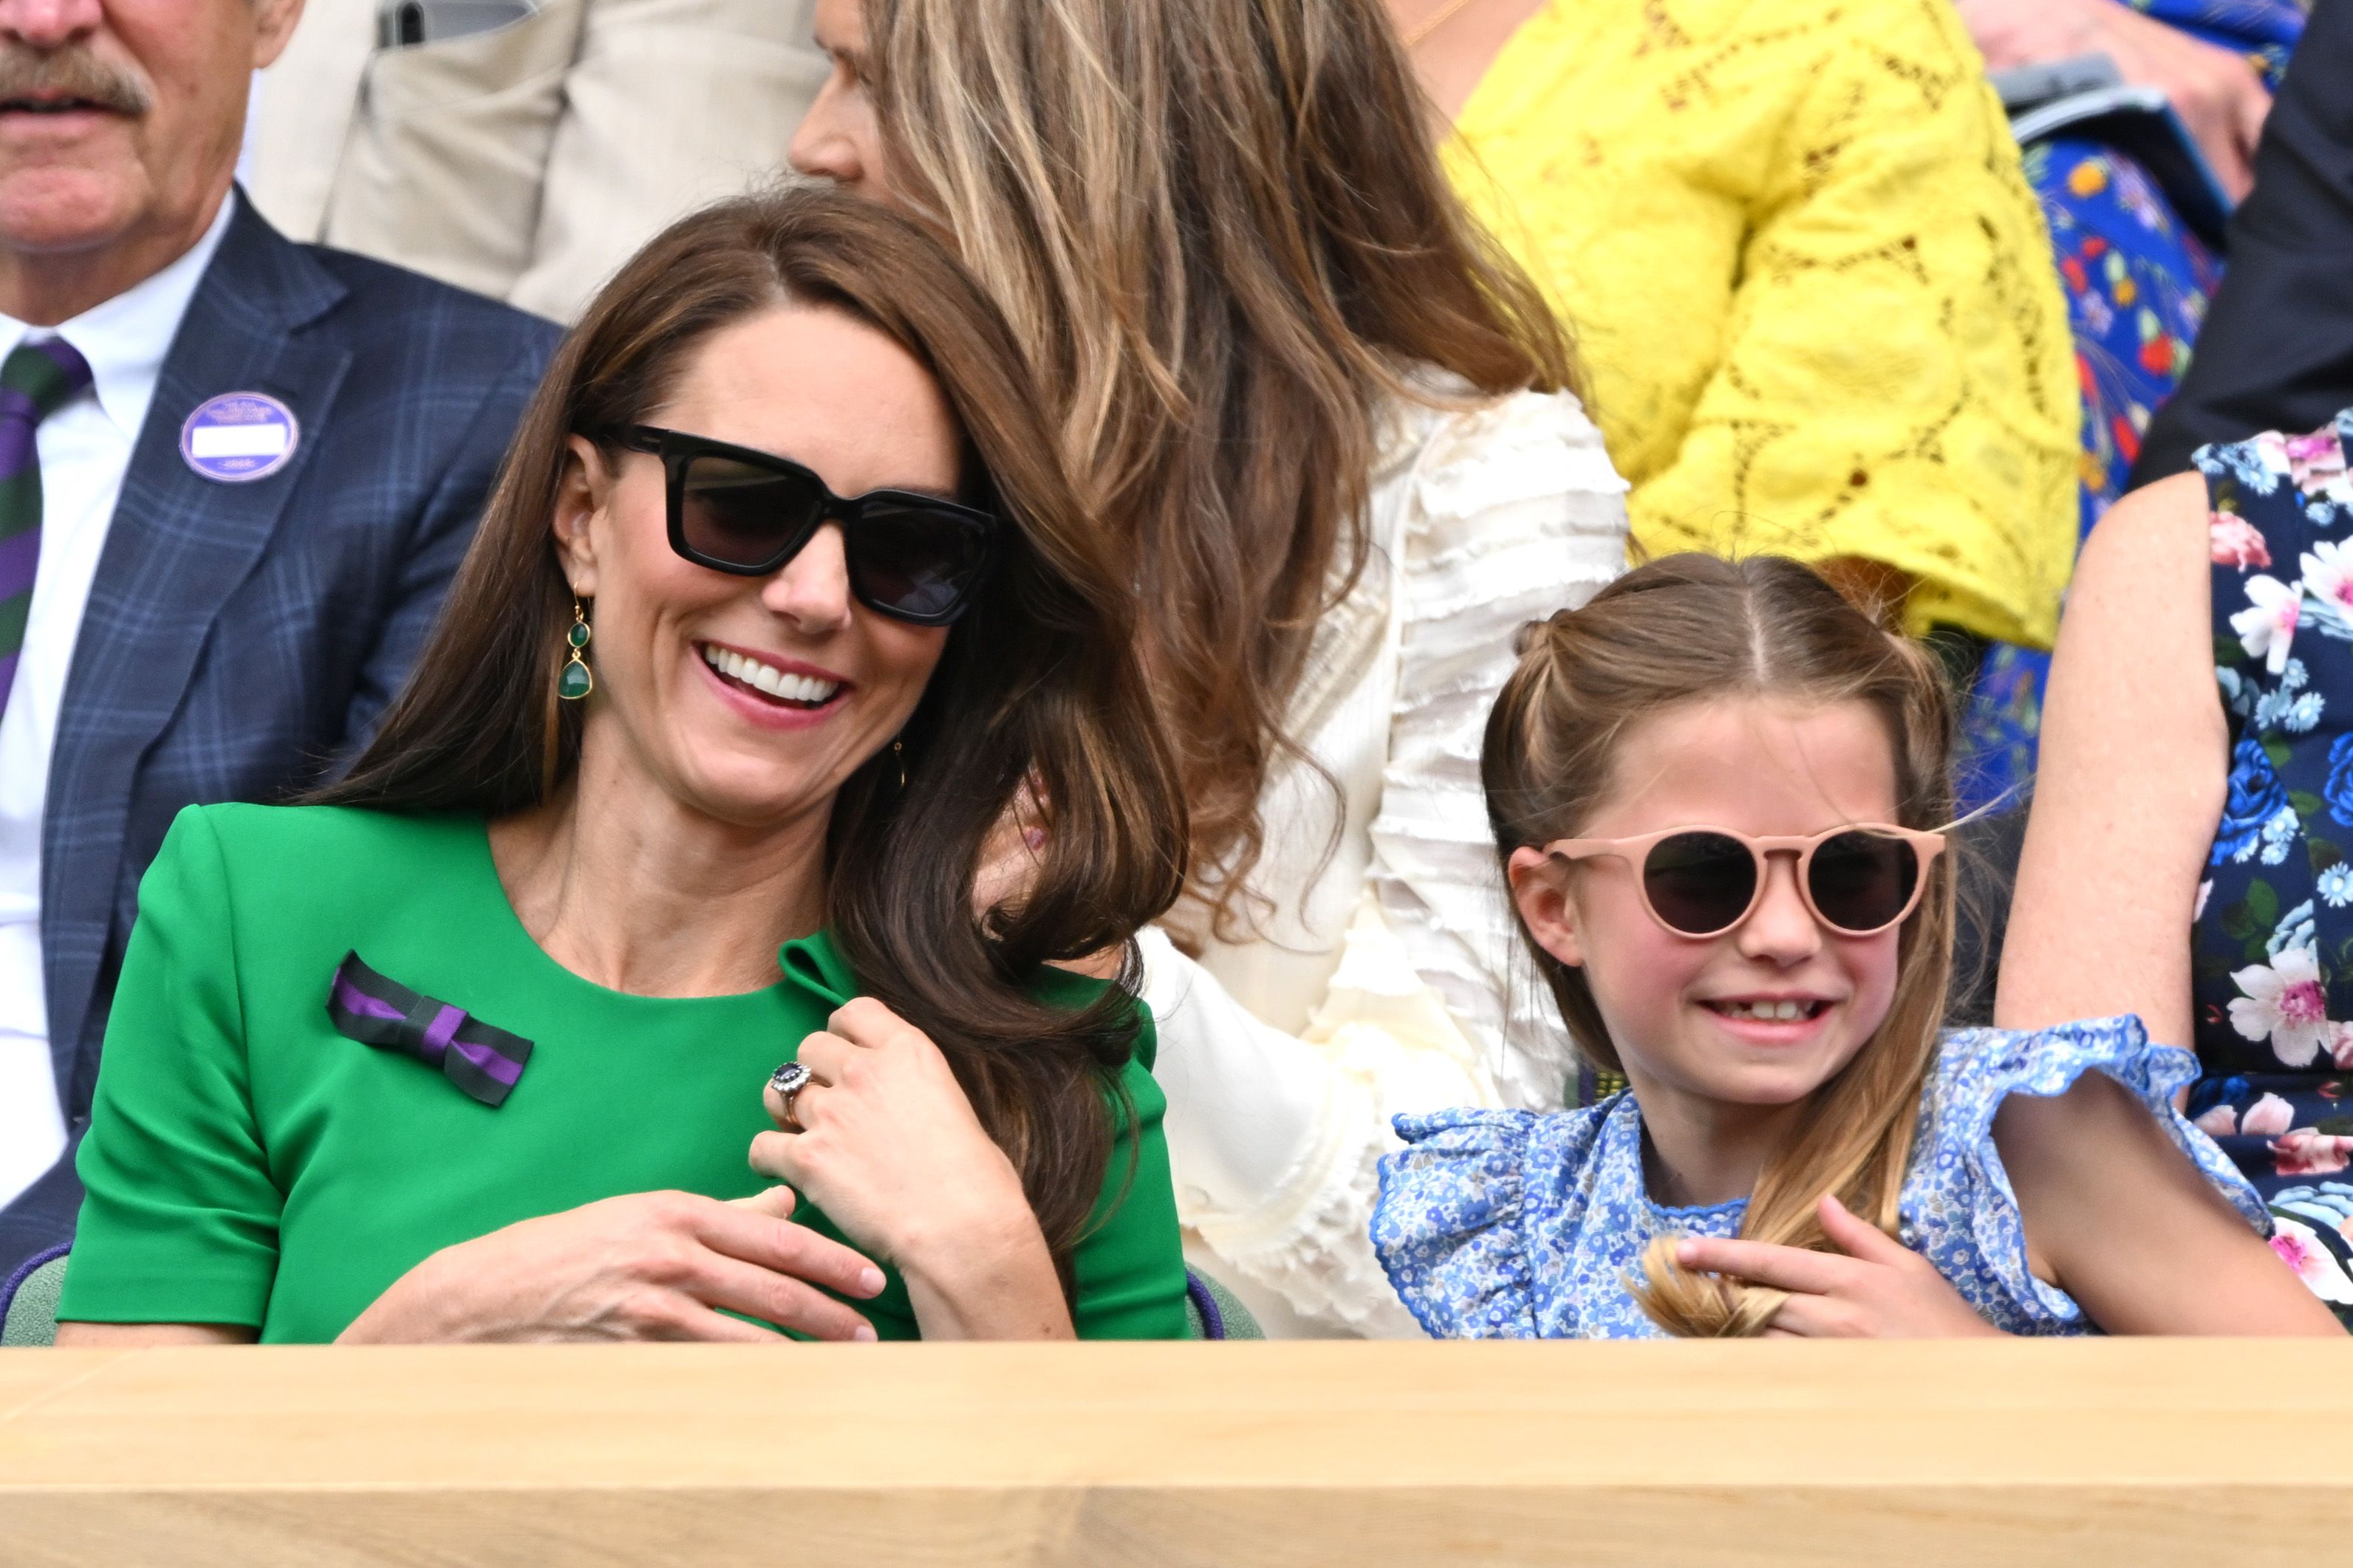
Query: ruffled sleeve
point(1958, 1208)
point(1448, 1226)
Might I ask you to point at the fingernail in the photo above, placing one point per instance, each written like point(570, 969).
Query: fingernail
point(865, 1334)
point(870, 1281)
point(1686, 1252)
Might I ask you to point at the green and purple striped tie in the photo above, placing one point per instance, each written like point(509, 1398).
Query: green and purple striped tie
point(36, 381)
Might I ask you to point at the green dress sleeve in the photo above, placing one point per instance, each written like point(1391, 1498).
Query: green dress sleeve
point(180, 1225)
point(1131, 1265)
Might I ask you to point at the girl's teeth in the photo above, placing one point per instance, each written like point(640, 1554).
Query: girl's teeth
point(1768, 1012)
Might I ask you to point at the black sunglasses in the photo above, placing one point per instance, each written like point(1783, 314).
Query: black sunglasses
point(912, 557)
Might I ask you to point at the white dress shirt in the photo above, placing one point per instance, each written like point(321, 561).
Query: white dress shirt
point(85, 450)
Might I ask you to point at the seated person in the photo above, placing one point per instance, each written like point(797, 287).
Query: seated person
point(2187, 856)
point(784, 598)
point(1811, 288)
point(2276, 351)
point(239, 475)
point(1721, 793)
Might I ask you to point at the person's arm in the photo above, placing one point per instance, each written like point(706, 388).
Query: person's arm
point(2135, 766)
point(2118, 1217)
point(2277, 350)
point(1896, 383)
point(2216, 91)
point(1514, 512)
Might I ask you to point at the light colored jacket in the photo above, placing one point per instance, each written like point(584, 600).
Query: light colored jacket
point(529, 163)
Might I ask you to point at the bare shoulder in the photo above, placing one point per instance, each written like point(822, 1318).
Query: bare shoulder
point(2153, 541)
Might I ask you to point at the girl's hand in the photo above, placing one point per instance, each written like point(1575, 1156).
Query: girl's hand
point(1881, 1290)
point(650, 1266)
point(883, 1140)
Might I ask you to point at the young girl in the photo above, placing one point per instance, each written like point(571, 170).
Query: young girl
point(1717, 791)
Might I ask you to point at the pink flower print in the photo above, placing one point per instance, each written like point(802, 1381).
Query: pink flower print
point(2316, 463)
point(2236, 541)
point(2218, 1122)
point(2340, 1048)
point(2268, 1118)
point(2282, 1002)
point(2328, 575)
point(2299, 1247)
point(2308, 1152)
point(2267, 626)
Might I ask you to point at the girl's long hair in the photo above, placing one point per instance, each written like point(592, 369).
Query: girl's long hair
point(1225, 242)
point(1039, 681)
point(1692, 629)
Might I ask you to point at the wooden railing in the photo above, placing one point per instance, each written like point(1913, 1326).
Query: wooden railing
point(2015, 1454)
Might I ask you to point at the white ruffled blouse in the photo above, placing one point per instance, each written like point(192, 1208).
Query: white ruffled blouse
point(1380, 975)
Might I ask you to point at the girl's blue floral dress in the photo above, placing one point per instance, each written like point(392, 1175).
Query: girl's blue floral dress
point(2137, 283)
point(1520, 1225)
point(2272, 944)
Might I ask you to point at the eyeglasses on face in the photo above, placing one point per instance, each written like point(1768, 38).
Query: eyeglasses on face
point(1703, 881)
point(913, 557)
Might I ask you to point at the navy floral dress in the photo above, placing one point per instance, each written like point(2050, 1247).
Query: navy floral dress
point(2272, 944)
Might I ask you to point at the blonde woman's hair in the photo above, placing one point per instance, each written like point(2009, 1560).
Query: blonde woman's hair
point(1221, 234)
point(1692, 628)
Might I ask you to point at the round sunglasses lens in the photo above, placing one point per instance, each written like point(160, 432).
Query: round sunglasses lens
point(1862, 881)
point(742, 516)
point(1699, 883)
point(914, 560)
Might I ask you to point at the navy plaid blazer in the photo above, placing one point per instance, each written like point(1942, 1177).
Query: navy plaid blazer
point(242, 640)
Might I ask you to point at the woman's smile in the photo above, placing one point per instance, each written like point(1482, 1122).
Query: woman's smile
point(771, 690)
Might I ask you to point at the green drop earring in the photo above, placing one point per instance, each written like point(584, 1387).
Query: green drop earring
point(575, 680)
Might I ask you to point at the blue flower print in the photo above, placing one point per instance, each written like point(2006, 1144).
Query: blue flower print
point(2279, 837)
point(2257, 799)
point(2295, 929)
point(2240, 460)
point(2340, 779)
point(2336, 886)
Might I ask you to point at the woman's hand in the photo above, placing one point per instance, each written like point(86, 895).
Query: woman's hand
point(652, 1265)
point(883, 1140)
point(2217, 93)
point(1881, 1290)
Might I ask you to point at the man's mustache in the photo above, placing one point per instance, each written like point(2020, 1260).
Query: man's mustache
point(72, 72)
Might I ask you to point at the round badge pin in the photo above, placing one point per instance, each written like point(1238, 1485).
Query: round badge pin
point(240, 436)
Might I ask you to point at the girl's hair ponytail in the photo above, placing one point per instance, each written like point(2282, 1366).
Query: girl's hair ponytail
point(1692, 628)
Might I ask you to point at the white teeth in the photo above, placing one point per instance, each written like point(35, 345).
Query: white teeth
point(768, 678)
point(1767, 1012)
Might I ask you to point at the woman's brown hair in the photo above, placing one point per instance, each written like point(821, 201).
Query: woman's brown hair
point(1692, 628)
point(1038, 682)
point(1225, 242)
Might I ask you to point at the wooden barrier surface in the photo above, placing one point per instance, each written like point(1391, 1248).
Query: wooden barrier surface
point(2151, 1453)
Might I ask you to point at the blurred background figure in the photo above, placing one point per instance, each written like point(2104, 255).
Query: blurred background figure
point(524, 148)
point(2278, 350)
point(1808, 279)
point(2139, 124)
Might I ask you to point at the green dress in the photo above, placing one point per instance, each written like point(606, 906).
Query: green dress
point(249, 1162)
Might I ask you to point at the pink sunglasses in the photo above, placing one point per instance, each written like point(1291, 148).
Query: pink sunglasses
point(1703, 881)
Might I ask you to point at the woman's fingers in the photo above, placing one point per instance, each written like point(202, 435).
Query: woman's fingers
point(783, 1247)
point(1792, 1268)
point(763, 1293)
point(865, 1022)
point(776, 1155)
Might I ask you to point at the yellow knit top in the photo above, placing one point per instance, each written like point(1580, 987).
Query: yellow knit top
point(1810, 288)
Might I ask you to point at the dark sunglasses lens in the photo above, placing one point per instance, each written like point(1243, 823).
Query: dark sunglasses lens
point(1699, 883)
point(917, 560)
point(1862, 881)
point(740, 515)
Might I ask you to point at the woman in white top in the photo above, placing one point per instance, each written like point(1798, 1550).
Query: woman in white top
point(1334, 426)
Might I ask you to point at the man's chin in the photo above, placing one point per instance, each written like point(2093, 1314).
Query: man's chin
point(50, 205)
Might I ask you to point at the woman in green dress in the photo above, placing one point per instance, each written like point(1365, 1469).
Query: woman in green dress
point(782, 628)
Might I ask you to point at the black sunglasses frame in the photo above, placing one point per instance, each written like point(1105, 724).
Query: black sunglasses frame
point(678, 450)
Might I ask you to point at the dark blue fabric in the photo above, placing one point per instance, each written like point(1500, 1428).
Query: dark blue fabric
point(241, 640)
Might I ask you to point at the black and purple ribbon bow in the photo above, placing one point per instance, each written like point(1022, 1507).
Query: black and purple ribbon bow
point(483, 1061)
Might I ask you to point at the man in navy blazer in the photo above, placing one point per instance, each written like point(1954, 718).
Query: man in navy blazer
point(254, 468)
